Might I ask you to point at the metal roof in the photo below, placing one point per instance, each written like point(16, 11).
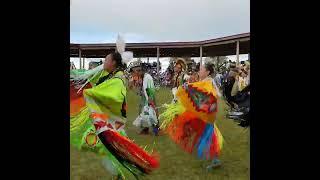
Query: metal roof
point(213, 47)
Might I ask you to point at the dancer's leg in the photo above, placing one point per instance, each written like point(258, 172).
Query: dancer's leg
point(214, 163)
point(145, 131)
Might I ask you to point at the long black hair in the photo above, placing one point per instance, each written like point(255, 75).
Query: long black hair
point(119, 67)
point(118, 59)
point(209, 67)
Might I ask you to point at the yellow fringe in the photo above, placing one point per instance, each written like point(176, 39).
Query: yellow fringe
point(219, 135)
point(172, 110)
point(78, 121)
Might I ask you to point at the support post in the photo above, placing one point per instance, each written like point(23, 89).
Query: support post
point(83, 62)
point(237, 53)
point(158, 63)
point(80, 58)
point(218, 64)
point(148, 60)
point(201, 55)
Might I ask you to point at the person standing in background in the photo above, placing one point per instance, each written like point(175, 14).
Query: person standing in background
point(148, 111)
point(179, 76)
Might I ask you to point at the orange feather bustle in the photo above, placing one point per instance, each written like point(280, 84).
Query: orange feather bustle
point(185, 130)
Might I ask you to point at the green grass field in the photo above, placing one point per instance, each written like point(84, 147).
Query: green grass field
point(175, 164)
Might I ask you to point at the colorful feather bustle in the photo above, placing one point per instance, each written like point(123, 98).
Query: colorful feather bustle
point(190, 121)
point(200, 99)
point(210, 143)
point(185, 130)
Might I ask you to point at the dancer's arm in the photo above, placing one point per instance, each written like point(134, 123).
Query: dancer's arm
point(109, 95)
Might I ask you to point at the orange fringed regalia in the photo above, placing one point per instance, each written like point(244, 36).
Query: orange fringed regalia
point(77, 101)
point(190, 121)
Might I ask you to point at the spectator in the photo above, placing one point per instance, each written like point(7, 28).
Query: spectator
point(94, 64)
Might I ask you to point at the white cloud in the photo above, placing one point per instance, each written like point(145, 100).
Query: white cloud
point(158, 20)
point(99, 21)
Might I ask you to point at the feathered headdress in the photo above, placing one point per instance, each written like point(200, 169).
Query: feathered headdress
point(137, 63)
point(182, 62)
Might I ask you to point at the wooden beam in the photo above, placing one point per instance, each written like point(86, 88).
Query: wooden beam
point(166, 45)
point(222, 47)
point(225, 42)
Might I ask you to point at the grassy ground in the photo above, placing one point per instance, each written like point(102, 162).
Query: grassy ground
point(175, 164)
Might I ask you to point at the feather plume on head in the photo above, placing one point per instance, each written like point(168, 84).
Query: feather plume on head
point(89, 75)
point(121, 46)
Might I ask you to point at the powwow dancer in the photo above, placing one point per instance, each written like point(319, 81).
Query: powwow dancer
point(105, 106)
point(190, 122)
point(148, 116)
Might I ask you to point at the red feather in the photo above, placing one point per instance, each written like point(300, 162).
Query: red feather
point(130, 152)
point(214, 148)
